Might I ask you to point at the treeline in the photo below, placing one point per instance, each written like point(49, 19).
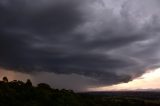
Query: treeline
point(18, 93)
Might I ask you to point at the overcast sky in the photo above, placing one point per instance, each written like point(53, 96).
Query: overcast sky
point(78, 44)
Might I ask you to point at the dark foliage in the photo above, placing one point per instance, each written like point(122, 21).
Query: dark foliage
point(18, 93)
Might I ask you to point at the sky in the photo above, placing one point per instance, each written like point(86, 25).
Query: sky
point(80, 45)
point(146, 82)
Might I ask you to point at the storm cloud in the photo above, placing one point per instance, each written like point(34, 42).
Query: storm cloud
point(108, 41)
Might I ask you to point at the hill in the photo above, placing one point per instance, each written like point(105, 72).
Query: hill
point(18, 93)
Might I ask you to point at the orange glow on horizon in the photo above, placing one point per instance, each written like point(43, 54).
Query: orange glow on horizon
point(148, 80)
point(12, 75)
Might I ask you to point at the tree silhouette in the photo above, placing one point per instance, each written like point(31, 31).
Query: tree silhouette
point(28, 83)
point(18, 93)
point(43, 85)
point(5, 79)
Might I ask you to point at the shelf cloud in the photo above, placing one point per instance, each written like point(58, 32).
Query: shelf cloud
point(108, 41)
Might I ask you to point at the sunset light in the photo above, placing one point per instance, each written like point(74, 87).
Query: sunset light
point(148, 81)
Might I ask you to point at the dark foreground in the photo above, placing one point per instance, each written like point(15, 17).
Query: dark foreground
point(18, 93)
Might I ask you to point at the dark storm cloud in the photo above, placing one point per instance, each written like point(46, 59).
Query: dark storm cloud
point(70, 37)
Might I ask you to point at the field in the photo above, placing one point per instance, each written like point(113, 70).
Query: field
point(124, 98)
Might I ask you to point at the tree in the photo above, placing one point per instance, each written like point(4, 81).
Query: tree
point(29, 83)
point(5, 79)
point(43, 85)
